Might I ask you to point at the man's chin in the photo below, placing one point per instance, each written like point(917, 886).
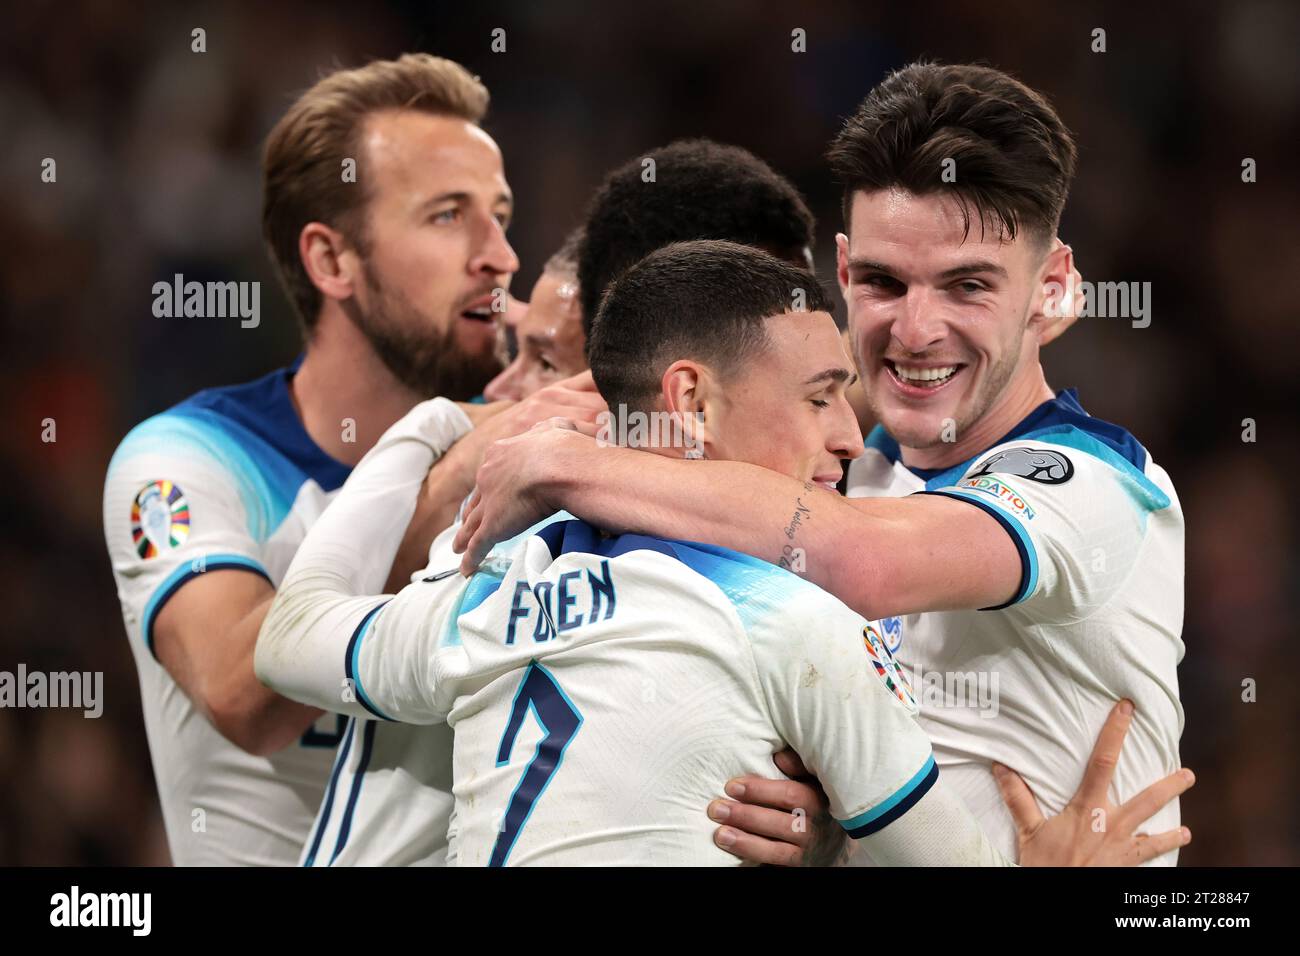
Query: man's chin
point(912, 429)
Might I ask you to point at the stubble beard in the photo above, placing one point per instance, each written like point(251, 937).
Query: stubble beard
point(426, 361)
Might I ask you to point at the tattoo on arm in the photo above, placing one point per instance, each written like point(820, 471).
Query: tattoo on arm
point(801, 514)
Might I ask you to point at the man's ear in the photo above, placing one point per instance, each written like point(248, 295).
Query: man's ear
point(1053, 287)
point(331, 264)
point(688, 395)
point(842, 263)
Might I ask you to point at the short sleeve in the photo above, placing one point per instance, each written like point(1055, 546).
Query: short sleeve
point(838, 698)
point(171, 513)
point(1076, 513)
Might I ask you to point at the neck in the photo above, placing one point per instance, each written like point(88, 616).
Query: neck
point(344, 395)
point(1022, 395)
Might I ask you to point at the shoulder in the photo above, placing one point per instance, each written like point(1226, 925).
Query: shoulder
point(1061, 452)
point(1067, 459)
point(243, 440)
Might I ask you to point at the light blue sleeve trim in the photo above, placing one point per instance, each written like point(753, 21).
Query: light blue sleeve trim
point(1019, 537)
point(902, 800)
point(183, 573)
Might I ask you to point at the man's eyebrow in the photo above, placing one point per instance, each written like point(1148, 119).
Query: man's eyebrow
point(974, 267)
point(462, 196)
point(870, 264)
point(836, 374)
point(539, 340)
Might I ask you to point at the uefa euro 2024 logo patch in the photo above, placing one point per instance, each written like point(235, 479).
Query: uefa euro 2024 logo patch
point(160, 518)
point(891, 629)
point(887, 668)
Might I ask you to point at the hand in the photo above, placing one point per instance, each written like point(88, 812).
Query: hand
point(510, 494)
point(478, 413)
point(1071, 838)
point(574, 398)
point(764, 827)
point(1068, 314)
point(452, 476)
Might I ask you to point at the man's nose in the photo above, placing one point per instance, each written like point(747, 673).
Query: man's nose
point(917, 325)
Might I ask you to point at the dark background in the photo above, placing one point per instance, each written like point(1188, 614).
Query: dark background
point(158, 172)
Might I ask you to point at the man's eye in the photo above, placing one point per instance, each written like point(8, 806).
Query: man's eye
point(546, 366)
point(882, 282)
point(970, 288)
point(820, 402)
point(446, 215)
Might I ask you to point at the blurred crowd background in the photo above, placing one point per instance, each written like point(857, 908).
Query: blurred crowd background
point(158, 154)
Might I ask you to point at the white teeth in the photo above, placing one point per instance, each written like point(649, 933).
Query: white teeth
point(912, 374)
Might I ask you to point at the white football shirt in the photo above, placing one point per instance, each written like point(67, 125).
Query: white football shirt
point(600, 689)
point(1098, 615)
point(228, 479)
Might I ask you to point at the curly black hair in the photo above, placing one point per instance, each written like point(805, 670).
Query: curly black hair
point(699, 189)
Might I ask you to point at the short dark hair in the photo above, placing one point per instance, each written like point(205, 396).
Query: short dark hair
point(705, 300)
point(564, 261)
point(1014, 157)
point(701, 190)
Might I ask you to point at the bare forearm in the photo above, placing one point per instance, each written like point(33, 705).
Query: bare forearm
point(210, 655)
point(254, 716)
point(797, 525)
point(880, 556)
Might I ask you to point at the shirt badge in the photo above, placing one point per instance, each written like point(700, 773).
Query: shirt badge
point(160, 519)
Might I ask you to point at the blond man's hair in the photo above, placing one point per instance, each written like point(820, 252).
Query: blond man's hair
point(302, 167)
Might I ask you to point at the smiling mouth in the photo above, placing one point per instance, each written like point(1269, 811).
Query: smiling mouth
point(922, 378)
point(478, 314)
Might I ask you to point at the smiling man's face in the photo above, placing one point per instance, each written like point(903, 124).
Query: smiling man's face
point(941, 321)
point(787, 408)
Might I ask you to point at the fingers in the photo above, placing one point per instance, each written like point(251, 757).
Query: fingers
point(467, 564)
point(469, 543)
point(583, 382)
point(479, 546)
point(577, 399)
point(1105, 755)
point(756, 849)
point(1018, 798)
point(762, 821)
point(790, 763)
point(590, 429)
point(1132, 812)
point(778, 794)
point(1149, 847)
point(469, 522)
